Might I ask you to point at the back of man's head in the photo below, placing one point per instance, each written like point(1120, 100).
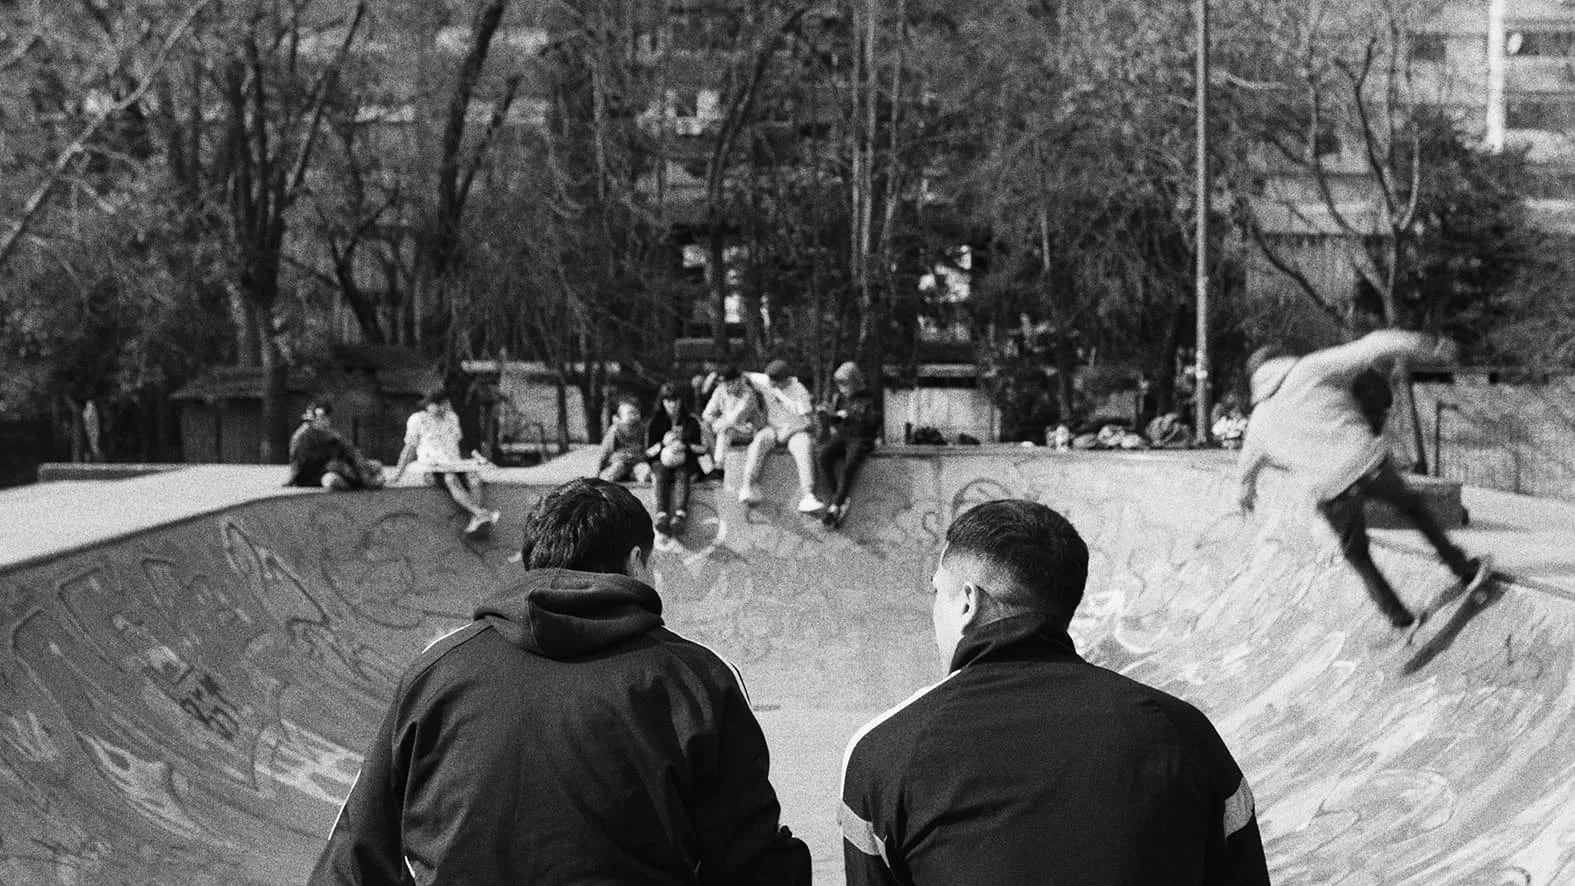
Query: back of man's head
point(1031, 559)
point(589, 525)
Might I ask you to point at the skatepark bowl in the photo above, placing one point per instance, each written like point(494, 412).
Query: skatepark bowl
point(187, 703)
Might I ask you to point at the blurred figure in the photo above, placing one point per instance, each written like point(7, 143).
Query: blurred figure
point(1312, 418)
point(320, 456)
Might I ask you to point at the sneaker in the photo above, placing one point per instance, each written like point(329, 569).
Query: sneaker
point(830, 516)
point(717, 475)
point(1482, 570)
point(747, 494)
point(809, 504)
point(492, 516)
point(663, 525)
point(475, 524)
point(1402, 619)
point(677, 524)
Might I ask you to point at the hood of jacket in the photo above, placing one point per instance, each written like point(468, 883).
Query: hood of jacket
point(563, 613)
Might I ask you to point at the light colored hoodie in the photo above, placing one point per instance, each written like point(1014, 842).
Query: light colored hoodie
point(1306, 418)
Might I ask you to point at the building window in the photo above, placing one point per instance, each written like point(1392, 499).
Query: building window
point(1427, 47)
point(1545, 114)
point(1551, 44)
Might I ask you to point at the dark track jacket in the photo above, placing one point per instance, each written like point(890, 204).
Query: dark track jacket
point(1029, 765)
point(565, 736)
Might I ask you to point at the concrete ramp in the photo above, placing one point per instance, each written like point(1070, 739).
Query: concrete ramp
point(188, 703)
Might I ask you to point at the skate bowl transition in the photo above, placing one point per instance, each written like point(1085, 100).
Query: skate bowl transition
point(188, 703)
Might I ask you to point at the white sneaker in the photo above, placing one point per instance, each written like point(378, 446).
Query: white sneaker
point(809, 504)
point(747, 494)
point(475, 523)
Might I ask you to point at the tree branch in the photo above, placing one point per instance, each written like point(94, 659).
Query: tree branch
point(34, 204)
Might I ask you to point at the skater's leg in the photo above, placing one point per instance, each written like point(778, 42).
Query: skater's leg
point(1348, 519)
point(1387, 485)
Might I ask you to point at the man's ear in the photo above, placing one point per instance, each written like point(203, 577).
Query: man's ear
point(972, 602)
point(635, 563)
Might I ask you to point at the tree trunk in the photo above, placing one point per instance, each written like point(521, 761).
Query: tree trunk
point(562, 397)
point(274, 431)
point(248, 338)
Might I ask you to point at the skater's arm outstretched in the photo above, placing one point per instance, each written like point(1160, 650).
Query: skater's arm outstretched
point(1249, 465)
point(1345, 362)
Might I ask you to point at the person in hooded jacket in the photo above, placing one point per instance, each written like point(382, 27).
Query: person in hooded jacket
point(567, 736)
point(1320, 417)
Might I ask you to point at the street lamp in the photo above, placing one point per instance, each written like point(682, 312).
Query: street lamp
point(1201, 372)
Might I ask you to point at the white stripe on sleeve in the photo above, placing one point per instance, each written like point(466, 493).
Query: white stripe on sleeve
point(1239, 808)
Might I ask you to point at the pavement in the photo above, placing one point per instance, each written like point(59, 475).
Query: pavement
point(195, 660)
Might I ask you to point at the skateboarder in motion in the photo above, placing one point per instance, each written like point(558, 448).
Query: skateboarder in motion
point(1320, 417)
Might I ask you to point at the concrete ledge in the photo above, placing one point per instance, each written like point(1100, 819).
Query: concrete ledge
point(54, 471)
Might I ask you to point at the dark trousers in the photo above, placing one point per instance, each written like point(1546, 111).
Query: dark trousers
point(839, 461)
point(1346, 513)
point(672, 488)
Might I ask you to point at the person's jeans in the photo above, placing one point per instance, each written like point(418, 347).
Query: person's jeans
point(1347, 515)
point(840, 460)
point(672, 488)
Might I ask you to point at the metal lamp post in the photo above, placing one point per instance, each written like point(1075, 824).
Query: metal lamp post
point(1201, 372)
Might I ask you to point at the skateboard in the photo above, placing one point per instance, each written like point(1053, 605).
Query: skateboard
point(1444, 597)
point(1439, 639)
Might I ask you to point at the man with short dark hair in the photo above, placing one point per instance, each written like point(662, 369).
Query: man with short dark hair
point(567, 736)
point(1027, 764)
